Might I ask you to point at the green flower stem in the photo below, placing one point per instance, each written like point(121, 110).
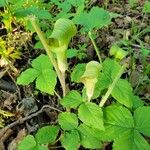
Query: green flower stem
point(111, 87)
point(95, 46)
point(49, 53)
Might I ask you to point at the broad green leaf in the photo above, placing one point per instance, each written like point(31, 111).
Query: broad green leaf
point(90, 137)
point(92, 115)
point(47, 134)
point(122, 92)
point(96, 18)
point(137, 102)
point(40, 147)
point(3, 3)
point(46, 81)
point(68, 121)
point(72, 100)
point(72, 53)
point(142, 120)
point(76, 3)
point(32, 10)
point(41, 62)
point(78, 71)
point(118, 120)
point(131, 141)
point(146, 8)
point(71, 140)
point(110, 69)
point(27, 76)
point(28, 143)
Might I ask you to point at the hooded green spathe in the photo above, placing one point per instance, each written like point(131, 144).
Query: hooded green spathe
point(64, 30)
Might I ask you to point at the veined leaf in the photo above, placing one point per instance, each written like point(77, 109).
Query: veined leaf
point(78, 71)
point(68, 121)
point(118, 120)
point(72, 100)
point(96, 18)
point(91, 115)
point(142, 120)
point(90, 137)
point(122, 92)
point(71, 140)
point(131, 140)
point(27, 143)
point(47, 134)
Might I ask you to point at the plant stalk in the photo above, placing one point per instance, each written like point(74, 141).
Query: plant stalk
point(49, 53)
point(95, 46)
point(111, 87)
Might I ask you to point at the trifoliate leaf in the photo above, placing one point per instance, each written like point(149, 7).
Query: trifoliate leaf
point(90, 137)
point(72, 100)
point(47, 134)
point(27, 143)
point(122, 92)
point(68, 121)
point(71, 140)
point(91, 115)
point(43, 72)
point(142, 120)
point(96, 18)
point(78, 71)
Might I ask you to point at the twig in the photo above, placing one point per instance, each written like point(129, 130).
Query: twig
point(22, 120)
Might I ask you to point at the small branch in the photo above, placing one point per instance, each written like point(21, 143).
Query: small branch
point(22, 120)
point(95, 46)
point(111, 87)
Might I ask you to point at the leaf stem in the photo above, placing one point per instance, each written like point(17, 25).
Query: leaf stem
point(49, 53)
point(95, 46)
point(111, 87)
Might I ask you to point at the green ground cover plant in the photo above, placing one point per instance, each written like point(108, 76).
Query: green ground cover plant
point(103, 106)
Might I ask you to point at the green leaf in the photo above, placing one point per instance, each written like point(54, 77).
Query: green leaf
point(46, 81)
point(78, 71)
point(40, 147)
point(142, 120)
point(72, 53)
point(71, 140)
point(122, 92)
point(96, 18)
point(146, 8)
point(90, 137)
point(27, 76)
point(118, 120)
point(32, 10)
point(72, 100)
point(68, 121)
point(44, 74)
point(137, 102)
point(92, 115)
point(47, 134)
point(27, 143)
point(131, 141)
